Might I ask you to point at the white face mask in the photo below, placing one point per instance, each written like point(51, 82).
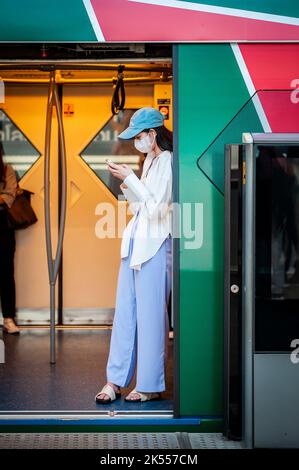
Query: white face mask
point(144, 145)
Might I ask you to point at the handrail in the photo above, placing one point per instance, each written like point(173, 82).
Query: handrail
point(53, 264)
point(79, 81)
point(44, 66)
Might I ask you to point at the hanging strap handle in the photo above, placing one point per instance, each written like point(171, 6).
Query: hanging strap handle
point(119, 95)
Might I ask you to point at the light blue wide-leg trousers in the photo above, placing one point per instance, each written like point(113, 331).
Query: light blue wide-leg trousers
point(141, 327)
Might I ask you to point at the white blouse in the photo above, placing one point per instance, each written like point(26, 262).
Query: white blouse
point(152, 196)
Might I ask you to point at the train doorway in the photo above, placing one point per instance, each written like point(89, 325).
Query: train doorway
point(261, 323)
point(85, 292)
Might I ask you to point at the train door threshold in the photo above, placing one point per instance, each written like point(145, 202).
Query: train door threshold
point(114, 418)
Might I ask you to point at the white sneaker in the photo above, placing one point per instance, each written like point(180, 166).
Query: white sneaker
point(9, 326)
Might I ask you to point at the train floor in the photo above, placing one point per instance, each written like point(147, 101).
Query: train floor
point(28, 382)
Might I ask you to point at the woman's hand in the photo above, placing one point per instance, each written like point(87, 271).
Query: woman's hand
point(119, 171)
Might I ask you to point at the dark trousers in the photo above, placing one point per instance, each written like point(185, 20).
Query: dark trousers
point(169, 312)
point(7, 281)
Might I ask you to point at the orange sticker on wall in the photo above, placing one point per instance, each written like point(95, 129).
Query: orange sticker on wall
point(68, 109)
point(165, 111)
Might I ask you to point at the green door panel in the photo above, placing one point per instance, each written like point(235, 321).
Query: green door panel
point(211, 162)
point(210, 94)
point(54, 20)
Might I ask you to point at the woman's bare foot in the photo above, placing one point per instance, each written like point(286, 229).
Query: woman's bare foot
point(10, 326)
point(104, 396)
point(133, 396)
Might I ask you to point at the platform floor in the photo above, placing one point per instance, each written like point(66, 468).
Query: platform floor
point(29, 383)
point(178, 440)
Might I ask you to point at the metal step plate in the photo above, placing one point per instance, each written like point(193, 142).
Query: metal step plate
point(177, 440)
point(89, 441)
point(212, 441)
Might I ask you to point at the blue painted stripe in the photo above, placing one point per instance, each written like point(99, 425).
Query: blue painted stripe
point(101, 421)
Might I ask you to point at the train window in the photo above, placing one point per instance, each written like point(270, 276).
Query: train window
point(16, 147)
point(277, 247)
point(105, 144)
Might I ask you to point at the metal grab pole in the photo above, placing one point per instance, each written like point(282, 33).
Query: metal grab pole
point(53, 264)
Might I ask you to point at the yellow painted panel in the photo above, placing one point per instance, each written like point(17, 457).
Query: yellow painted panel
point(26, 107)
point(90, 264)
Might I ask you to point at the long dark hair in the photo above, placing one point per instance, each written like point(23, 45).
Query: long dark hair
point(2, 167)
point(164, 137)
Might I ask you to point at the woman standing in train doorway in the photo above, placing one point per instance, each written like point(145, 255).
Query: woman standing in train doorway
point(141, 325)
point(8, 190)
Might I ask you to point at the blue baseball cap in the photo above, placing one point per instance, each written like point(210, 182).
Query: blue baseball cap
point(143, 118)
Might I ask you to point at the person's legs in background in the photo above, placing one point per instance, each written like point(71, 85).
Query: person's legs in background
point(7, 281)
